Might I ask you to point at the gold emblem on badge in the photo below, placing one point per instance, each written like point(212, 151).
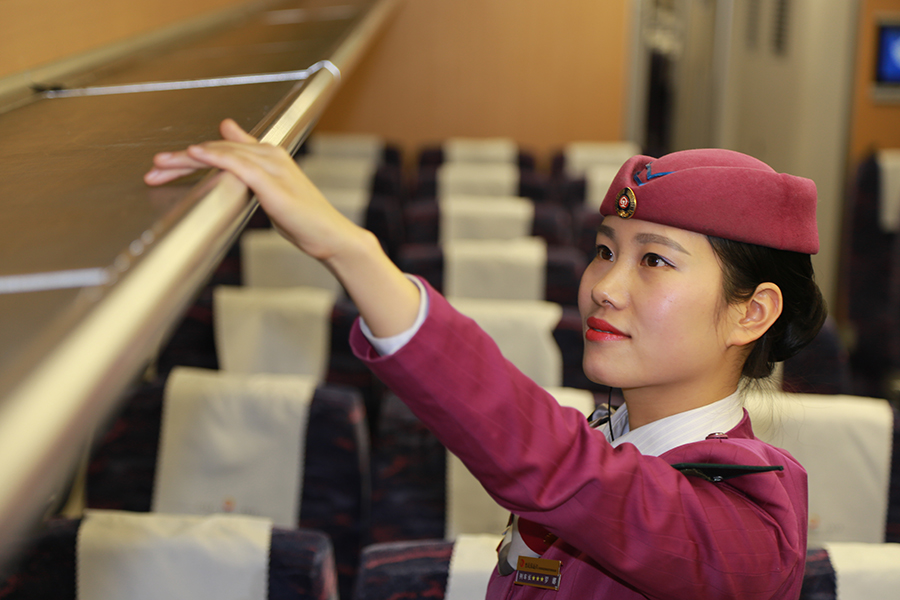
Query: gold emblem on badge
point(538, 572)
point(626, 203)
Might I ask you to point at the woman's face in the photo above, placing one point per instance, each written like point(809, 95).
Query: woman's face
point(652, 309)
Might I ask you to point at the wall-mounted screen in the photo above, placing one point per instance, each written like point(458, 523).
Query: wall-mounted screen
point(886, 80)
point(887, 69)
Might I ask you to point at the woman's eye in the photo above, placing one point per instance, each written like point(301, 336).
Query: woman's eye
point(655, 260)
point(604, 253)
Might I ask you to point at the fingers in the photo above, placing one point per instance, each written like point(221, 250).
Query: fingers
point(177, 160)
point(250, 162)
point(168, 166)
point(161, 176)
point(233, 132)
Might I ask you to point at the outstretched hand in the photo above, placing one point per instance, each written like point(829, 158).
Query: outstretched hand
point(293, 203)
point(385, 297)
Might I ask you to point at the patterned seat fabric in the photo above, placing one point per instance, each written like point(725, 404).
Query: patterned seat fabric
point(819, 581)
point(409, 467)
point(823, 367)
point(344, 369)
point(383, 219)
point(866, 267)
point(570, 192)
point(388, 181)
point(585, 221)
point(408, 570)
point(301, 565)
point(569, 337)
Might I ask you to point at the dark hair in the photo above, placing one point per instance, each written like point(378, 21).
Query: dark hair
point(744, 267)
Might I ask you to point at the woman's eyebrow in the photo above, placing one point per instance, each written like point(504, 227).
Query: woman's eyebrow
point(653, 238)
point(607, 231)
point(644, 238)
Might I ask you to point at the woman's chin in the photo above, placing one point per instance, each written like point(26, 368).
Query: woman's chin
point(602, 378)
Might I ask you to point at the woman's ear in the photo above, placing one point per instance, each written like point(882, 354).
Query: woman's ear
point(757, 314)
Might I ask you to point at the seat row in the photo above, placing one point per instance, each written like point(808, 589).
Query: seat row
point(579, 172)
point(853, 492)
point(464, 189)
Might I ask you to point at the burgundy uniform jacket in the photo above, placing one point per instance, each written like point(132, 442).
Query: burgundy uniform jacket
point(629, 525)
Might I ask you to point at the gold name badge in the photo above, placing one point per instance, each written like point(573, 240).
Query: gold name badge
point(538, 572)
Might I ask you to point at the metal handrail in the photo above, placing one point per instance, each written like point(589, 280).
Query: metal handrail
point(51, 415)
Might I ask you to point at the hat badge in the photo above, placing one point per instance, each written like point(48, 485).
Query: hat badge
point(626, 203)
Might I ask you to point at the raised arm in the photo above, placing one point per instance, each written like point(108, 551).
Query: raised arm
point(386, 299)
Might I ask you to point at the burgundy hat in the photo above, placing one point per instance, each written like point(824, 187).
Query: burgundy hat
point(721, 193)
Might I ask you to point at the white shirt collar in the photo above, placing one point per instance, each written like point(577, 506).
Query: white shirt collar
point(676, 430)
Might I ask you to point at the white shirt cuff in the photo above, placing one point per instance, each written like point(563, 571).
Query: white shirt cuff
point(389, 345)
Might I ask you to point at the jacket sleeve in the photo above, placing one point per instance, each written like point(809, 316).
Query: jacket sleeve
point(665, 533)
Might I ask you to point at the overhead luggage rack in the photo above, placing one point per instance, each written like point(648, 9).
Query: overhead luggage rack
point(96, 267)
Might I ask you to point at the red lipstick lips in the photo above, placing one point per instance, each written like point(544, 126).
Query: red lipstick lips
point(601, 331)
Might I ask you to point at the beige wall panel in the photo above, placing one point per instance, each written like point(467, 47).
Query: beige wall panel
point(37, 32)
point(875, 125)
point(543, 73)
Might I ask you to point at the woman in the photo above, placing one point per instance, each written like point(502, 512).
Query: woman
point(702, 278)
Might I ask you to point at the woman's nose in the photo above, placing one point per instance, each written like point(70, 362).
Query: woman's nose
point(609, 289)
